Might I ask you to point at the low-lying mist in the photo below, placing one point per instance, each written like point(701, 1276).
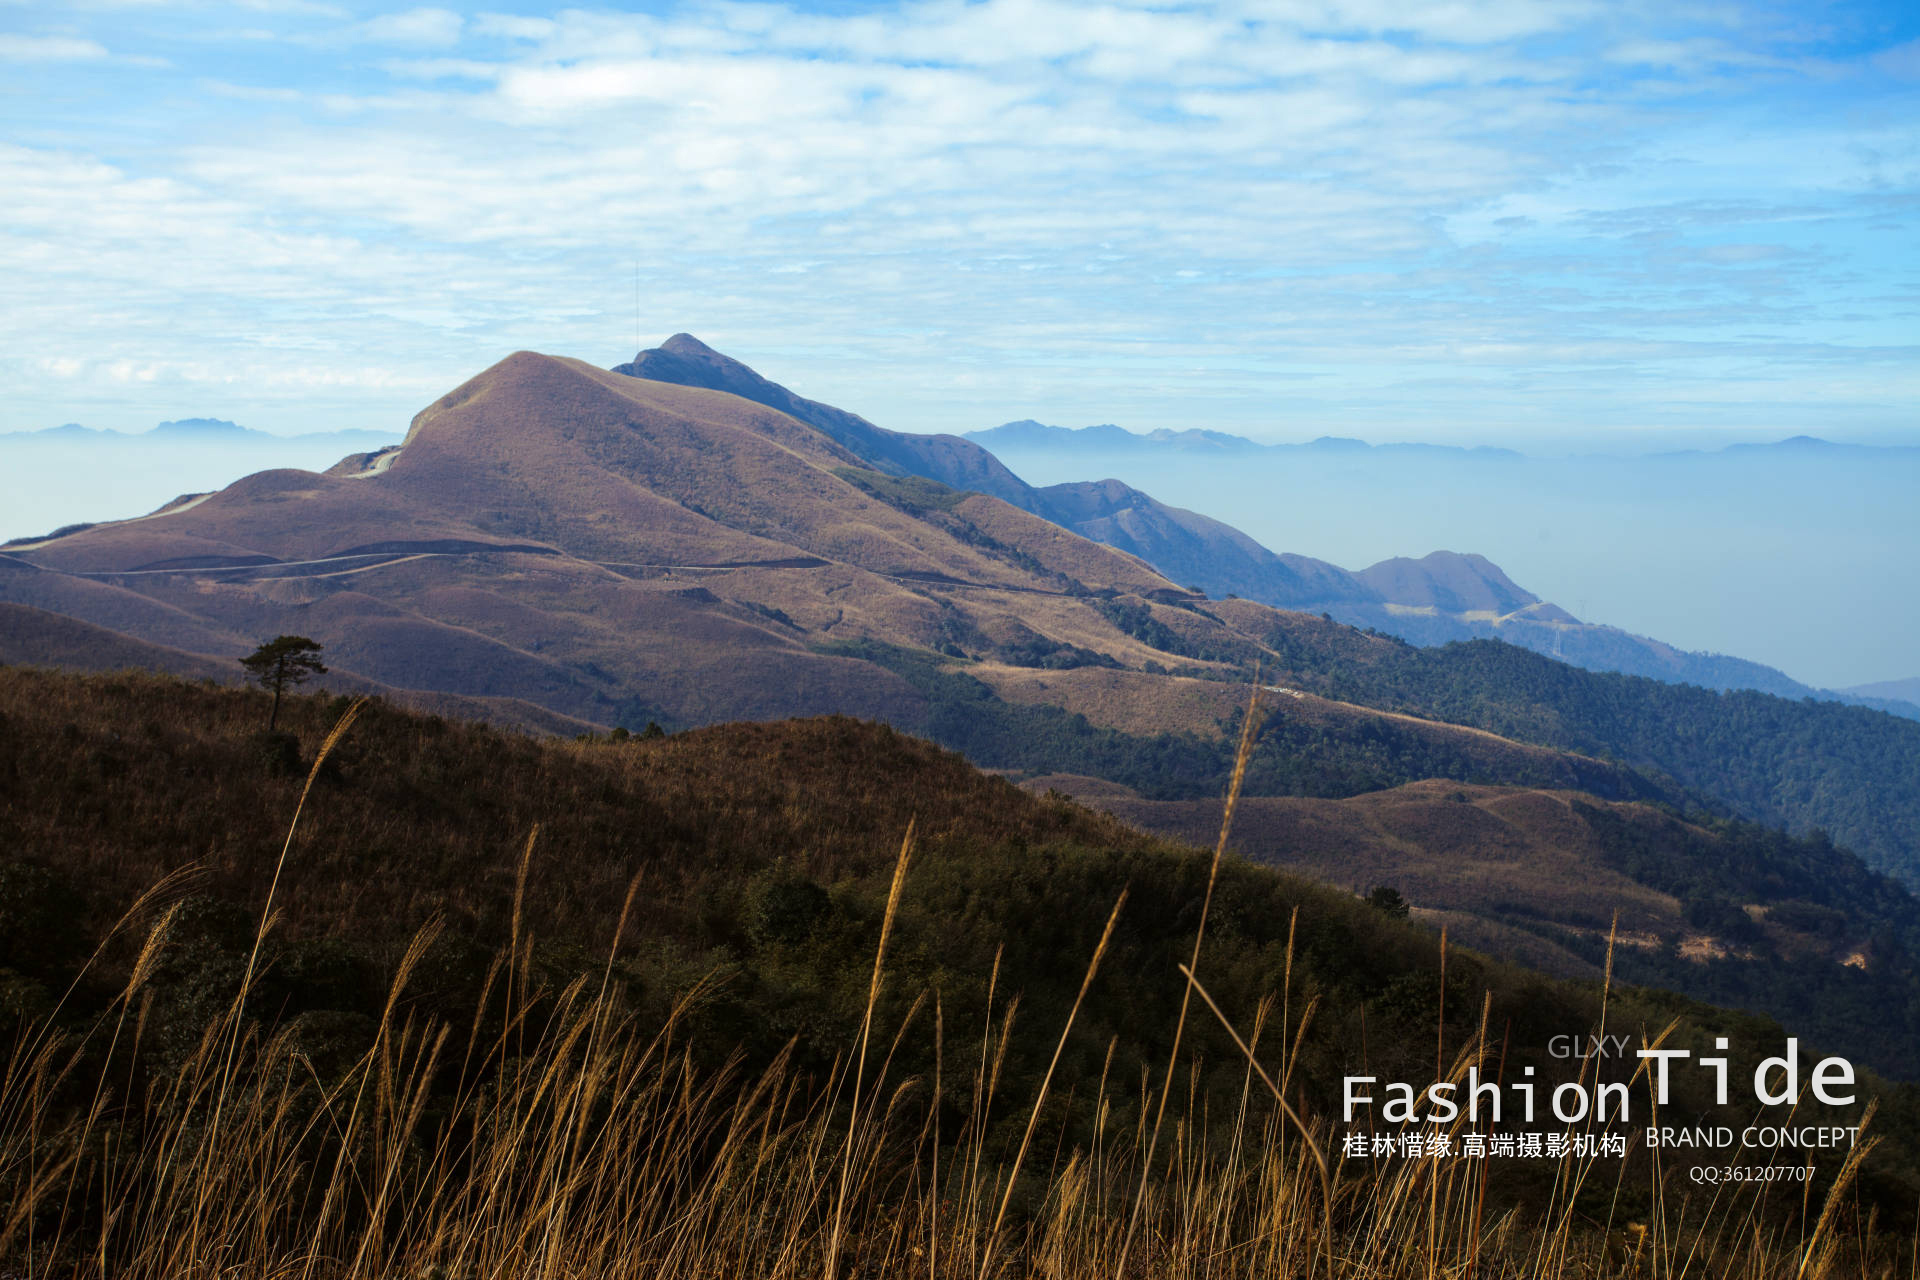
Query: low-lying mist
point(1799, 557)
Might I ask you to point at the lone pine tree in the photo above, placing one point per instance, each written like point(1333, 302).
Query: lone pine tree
point(282, 662)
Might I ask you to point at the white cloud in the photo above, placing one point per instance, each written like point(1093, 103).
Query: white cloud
point(510, 27)
point(429, 27)
point(301, 8)
point(1902, 60)
point(15, 48)
point(305, 8)
point(250, 93)
point(1194, 203)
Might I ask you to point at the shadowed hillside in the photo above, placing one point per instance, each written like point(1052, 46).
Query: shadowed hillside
point(1723, 911)
point(754, 862)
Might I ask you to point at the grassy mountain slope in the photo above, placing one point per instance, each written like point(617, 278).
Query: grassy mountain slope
point(1773, 788)
point(1449, 583)
point(1142, 703)
point(1851, 771)
point(1437, 599)
point(35, 637)
point(760, 855)
point(622, 550)
point(686, 360)
point(1723, 911)
point(613, 548)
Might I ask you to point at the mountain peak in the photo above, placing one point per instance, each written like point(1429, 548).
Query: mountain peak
point(685, 344)
point(686, 361)
point(200, 427)
point(1450, 581)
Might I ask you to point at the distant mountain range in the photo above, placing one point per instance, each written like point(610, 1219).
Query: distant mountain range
point(68, 476)
point(1108, 438)
point(1812, 446)
point(1907, 691)
point(554, 543)
point(194, 431)
point(1439, 598)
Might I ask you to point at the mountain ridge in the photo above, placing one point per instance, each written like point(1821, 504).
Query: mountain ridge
point(1438, 598)
point(1033, 434)
point(1907, 691)
point(619, 550)
point(685, 360)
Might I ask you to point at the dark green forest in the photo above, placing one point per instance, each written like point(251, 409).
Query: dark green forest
point(1850, 771)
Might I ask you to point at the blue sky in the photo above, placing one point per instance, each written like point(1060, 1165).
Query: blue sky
point(1556, 225)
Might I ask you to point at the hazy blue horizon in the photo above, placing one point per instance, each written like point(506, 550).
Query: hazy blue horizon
point(1802, 563)
point(50, 483)
point(129, 424)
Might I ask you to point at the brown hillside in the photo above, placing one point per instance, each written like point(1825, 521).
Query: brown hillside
point(614, 549)
point(1510, 871)
point(1481, 858)
point(685, 360)
point(617, 550)
point(1138, 702)
point(118, 779)
point(32, 637)
point(1448, 581)
point(29, 635)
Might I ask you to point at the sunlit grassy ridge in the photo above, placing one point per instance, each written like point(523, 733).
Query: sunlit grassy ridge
point(664, 1035)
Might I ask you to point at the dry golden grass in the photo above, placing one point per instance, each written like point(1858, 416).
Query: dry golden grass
point(1482, 852)
point(1059, 550)
point(1130, 701)
point(580, 1143)
point(1137, 702)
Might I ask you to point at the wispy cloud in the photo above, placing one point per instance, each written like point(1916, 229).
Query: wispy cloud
point(48, 49)
point(412, 27)
point(946, 214)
